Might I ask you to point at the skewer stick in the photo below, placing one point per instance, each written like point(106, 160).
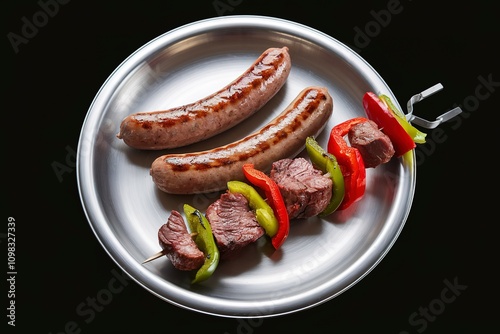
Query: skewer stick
point(163, 252)
point(155, 256)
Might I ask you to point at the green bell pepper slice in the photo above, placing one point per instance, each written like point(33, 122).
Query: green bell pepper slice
point(205, 241)
point(327, 163)
point(417, 135)
point(263, 211)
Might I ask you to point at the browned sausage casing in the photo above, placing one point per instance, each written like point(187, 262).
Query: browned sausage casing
point(213, 114)
point(283, 137)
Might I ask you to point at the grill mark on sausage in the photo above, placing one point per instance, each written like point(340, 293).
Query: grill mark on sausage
point(272, 63)
point(223, 156)
point(284, 136)
point(232, 95)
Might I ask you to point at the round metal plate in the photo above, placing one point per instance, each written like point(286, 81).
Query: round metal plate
point(321, 258)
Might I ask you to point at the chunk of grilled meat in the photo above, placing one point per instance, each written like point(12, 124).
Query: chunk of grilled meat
point(374, 145)
point(305, 190)
point(233, 224)
point(178, 244)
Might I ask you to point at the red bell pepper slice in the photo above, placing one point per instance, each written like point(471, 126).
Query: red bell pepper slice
point(350, 161)
point(377, 111)
point(273, 194)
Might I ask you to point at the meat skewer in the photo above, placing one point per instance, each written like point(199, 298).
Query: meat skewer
point(307, 189)
point(233, 222)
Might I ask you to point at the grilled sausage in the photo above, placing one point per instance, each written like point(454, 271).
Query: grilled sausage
point(213, 114)
point(283, 137)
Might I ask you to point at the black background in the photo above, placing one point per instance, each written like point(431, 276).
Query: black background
point(450, 234)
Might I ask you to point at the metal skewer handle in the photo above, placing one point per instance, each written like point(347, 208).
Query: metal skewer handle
point(423, 122)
